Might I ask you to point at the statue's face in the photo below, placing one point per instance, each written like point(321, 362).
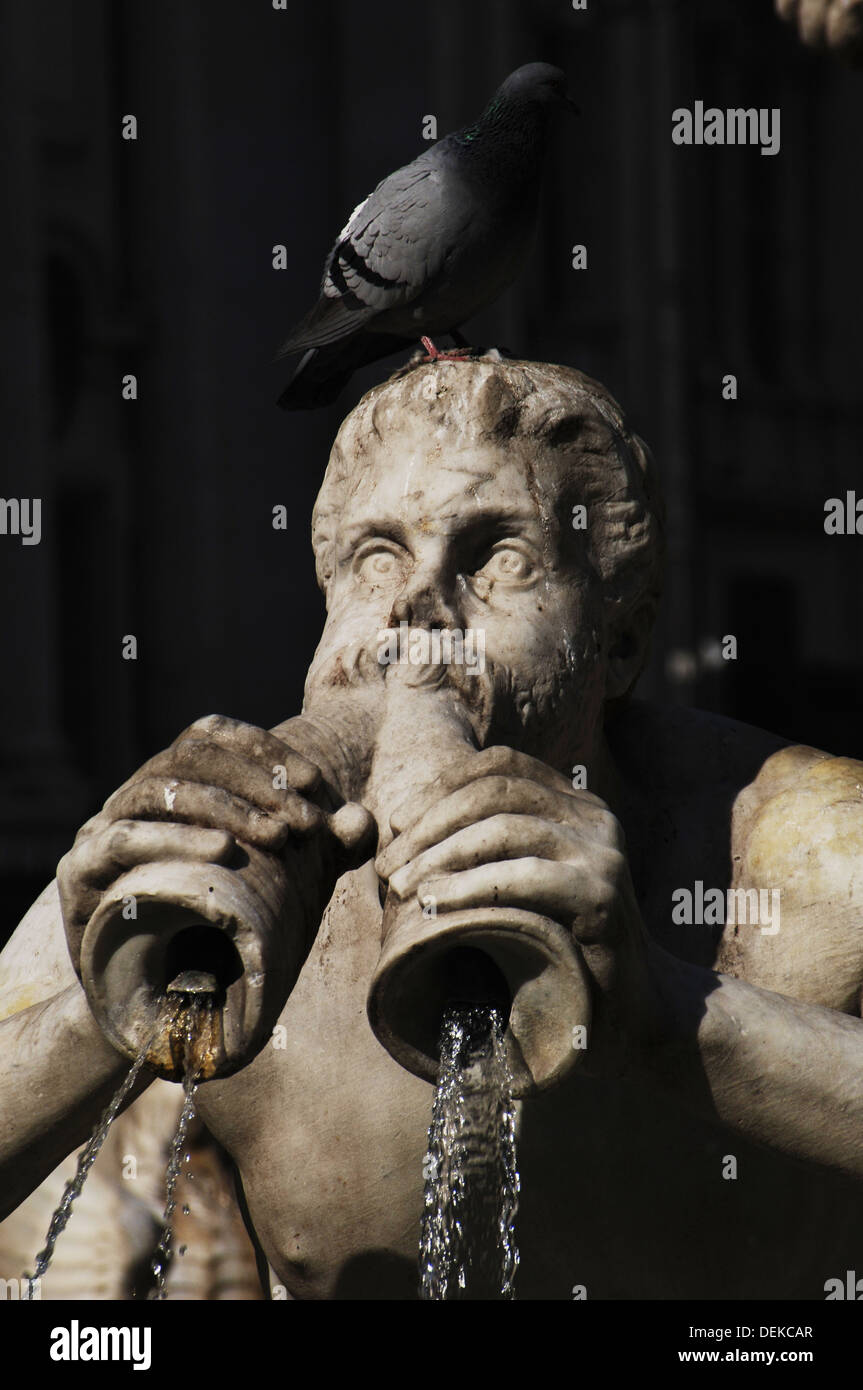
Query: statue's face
point(441, 534)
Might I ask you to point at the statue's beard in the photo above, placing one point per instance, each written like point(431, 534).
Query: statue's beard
point(551, 710)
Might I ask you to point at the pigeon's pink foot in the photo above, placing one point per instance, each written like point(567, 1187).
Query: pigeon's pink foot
point(434, 354)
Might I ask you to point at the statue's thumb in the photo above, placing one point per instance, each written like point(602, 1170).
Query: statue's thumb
point(354, 828)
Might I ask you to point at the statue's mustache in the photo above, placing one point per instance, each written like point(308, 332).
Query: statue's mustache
point(424, 657)
point(503, 703)
point(431, 648)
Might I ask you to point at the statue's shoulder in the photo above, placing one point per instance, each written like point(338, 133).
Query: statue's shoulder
point(800, 822)
point(804, 785)
point(797, 832)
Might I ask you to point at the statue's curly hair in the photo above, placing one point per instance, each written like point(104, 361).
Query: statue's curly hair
point(572, 418)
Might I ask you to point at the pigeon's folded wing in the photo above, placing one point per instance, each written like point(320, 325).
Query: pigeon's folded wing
point(395, 243)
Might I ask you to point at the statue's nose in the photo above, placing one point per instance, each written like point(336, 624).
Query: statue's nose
point(423, 603)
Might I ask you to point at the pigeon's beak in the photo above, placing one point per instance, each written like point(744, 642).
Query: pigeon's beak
point(571, 106)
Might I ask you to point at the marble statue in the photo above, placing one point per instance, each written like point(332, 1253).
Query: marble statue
point(689, 887)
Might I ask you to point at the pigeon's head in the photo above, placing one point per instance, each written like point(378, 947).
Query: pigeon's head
point(536, 84)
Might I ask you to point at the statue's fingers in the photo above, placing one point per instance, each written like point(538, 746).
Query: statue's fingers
point(266, 787)
point(260, 746)
point(812, 22)
point(193, 803)
point(78, 900)
point(98, 859)
point(491, 841)
point(845, 26)
point(577, 896)
point(490, 762)
point(537, 885)
point(102, 858)
point(92, 826)
point(461, 808)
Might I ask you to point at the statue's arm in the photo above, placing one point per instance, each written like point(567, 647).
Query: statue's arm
point(58, 1071)
point(779, 1037)
point(783, 1073)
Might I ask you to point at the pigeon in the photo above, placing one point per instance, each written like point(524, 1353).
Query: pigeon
point(434, 243)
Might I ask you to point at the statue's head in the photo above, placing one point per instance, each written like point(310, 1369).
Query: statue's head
point(504, 498)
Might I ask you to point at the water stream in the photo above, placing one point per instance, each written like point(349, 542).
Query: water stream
point(86, 1159)
point(467, 1244)
point(192, 1020)
point(161, 1262)
point(468, 1248)
point(188, 1018)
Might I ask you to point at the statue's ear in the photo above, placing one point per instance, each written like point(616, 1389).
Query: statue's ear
point(629, 637)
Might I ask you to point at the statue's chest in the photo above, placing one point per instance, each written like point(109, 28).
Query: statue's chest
point(622, 1193)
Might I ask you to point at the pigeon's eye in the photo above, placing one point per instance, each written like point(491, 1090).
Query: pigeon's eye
point(508, 564)
point(378, 563)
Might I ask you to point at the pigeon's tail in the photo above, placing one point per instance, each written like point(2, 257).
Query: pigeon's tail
point(323, 372)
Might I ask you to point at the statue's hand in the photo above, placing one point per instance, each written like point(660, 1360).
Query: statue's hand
point(502, 828)
point(218, 784)
point(835, 24)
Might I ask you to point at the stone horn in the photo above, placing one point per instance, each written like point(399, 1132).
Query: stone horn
point(520, 961)
point(173, 927)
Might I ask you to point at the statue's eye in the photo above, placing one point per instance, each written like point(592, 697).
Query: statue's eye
point(378, 564)
point(508, 564)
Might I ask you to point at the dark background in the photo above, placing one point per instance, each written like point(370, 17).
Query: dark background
point(259, 127)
